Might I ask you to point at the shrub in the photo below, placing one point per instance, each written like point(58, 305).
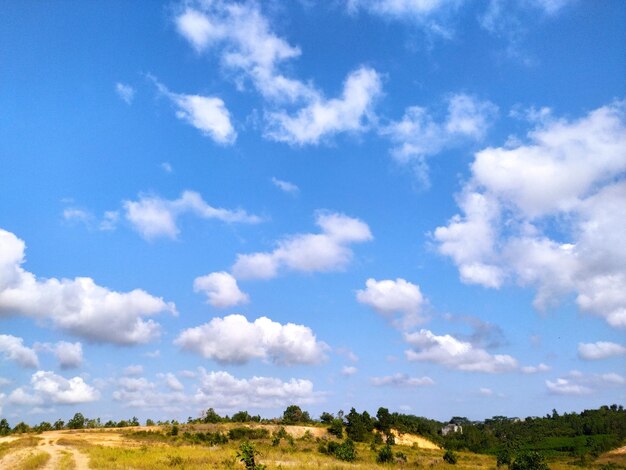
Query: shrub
point(450, 457)
point(529, 461)
point(246, 455)
point(346, 451)
point(248, 433)
point(385, 455)
point(336, 428)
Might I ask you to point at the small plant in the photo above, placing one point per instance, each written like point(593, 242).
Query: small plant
point(174, 430)
point(174, 460)
point(385, 455)
point(450, 457)
point(246, 455)
point(401, 457)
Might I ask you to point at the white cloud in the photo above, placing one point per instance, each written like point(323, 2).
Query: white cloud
point(208, 114)
point(401, 8)
point(455, 354)
point(223, 391)
point(166, 167)
point(322, 118)
point(567, 387)
point(139, 392)
point(401, 380)
point(78, 306)
point(418, 136)
point(570, 175)
point(235, 340)
point(248, 46)
point(69, 355)
point(155, 217)
point(72, 214)
point(133, 370)
point(535, 369)
point(49, 388)
point(577, 383)
point(390, 297)
point(285, 186)
point(13, 349)
point(251, 51)
point(348, 371)
point(172, 382)
point(600, 350)
point(486, 391)
point(125, 92)
point(325, 251)
point(221, 289)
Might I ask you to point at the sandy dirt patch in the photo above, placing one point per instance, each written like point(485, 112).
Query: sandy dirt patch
point(411, 439)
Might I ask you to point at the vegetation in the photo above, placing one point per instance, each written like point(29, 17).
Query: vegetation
point(354, 440)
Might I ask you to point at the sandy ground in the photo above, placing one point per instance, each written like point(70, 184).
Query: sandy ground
point(410, 439)
point(49, 444)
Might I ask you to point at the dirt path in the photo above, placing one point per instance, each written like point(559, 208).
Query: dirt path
point(51, 445)
point(11, 460)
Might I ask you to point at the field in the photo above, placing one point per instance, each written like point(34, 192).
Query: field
point(195, 447)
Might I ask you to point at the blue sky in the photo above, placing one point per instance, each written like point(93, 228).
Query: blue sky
point(410, 204)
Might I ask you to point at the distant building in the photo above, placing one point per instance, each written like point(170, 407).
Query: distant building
point(451, 427)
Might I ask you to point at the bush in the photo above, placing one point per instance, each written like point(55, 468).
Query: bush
point(529, 461)
point(346, 451)
point(248, 433)
point(450, 457)
point(336, 428)
point(385, 455)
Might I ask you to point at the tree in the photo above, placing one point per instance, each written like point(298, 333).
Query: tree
point(357, 426)
point(77, 422)
point(336, 428)
point(294, 414)
point(529, 461)
point(4, 427)
point(58, 424)
point(385, 455)
point(21, 427)
point(210, 416)
point(384, 420)
point(326, 417)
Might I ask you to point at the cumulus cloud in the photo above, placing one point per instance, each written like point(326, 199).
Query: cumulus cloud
point(235, 340)
point(208, 114)
point(323, 117)
point(535, 369)
point(600, 350)
point(221, 289)
point(223, 391)
point(48, 388)
point(125, 92)
point(252, 52)
point(78, 306)
point(418, 135)
point(401, 380)
point(450, 352)
point(325, 251)
point(139, 392)
point(69, 355)
point(348, 371)
point(577, 383)
point(13, 349)
point(285, 186)
point(390, 297)
point(570, 175)
point(155, 217)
